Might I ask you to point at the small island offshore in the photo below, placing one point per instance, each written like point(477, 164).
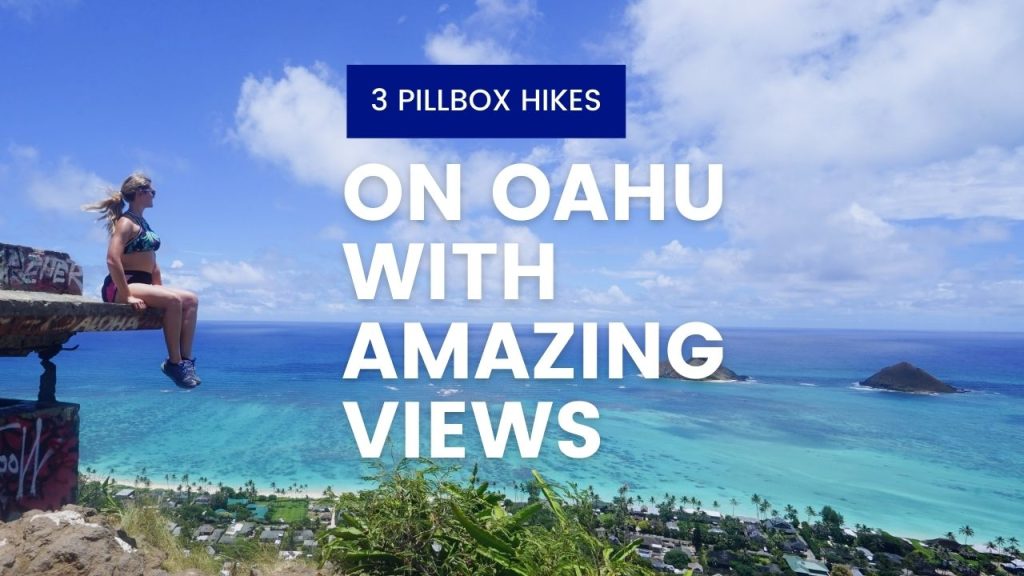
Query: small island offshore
point(905, 377)
point(421, 518)
point(723, 374)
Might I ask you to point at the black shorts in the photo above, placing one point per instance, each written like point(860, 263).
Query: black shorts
point(109, 291)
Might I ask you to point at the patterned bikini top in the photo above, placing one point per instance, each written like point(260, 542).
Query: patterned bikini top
point(146, 241)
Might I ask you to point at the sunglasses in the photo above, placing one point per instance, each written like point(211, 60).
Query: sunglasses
point(149, 191)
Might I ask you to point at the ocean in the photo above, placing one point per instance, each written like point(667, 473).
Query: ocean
point(801, 432)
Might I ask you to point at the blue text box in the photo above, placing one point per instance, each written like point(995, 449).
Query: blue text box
point(486, 101)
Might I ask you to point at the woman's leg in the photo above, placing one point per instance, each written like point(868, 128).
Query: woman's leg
point(189, 313)
point(170, 302)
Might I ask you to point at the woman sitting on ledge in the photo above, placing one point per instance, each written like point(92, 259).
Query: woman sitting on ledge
point(135, 280)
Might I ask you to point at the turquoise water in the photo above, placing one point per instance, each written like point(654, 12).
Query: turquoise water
point(801, 433)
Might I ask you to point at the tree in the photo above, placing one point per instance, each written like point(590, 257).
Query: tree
point(697, 539)
point(840, 570)
point(967, 532)
point(811, 514)
point(830, 517)
point(734, 503)
point(677, 558)
point(792, 515)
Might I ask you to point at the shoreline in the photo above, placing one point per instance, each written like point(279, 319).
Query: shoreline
point(317, 493)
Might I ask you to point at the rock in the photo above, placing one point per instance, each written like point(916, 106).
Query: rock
point(723, 374)
point(905, 377)
point(77, 541)
point(68, 542)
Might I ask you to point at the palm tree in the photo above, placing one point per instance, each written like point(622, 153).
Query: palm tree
point(792, 514)
point(756, 501)
point(811, 513)
point(1000, 542)
point(951, 536)
point(734, 504)
point(990, 546)
point(967, 531)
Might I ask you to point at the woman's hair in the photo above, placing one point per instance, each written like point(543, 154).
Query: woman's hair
point(112, 207)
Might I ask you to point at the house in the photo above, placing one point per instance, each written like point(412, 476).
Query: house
point(305, 535)
point(1015, 567)
point(803, 567)
point(867, 553)
point(755, 535)
point(215, 537)
point(721, 558)
point(271, 536)
point(794, 545)
point(125, 494)
point(202, 534)
point(780, 525)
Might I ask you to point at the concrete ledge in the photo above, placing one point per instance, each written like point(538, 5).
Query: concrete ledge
point(32, 321)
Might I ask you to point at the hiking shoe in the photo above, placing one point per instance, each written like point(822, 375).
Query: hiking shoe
point(179, 374)
point(190, 368)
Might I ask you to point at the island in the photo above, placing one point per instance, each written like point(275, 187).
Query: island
point(905, 377)
point(723, 374)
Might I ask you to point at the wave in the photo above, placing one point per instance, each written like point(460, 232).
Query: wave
point(447, 391)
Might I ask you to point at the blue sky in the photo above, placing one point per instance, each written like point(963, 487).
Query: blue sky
point(874, 153)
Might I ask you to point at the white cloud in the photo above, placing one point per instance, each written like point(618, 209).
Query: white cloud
point(177, 264)
point(505, 11)
point(64, 189)
point(299, 122)
point(333, 232)
point(442, 8)
point(452, 46)
point(987, 183)
point(487, 36)
point(28, 9)
point(803, 83)
point(613, 296)
point(239, 273)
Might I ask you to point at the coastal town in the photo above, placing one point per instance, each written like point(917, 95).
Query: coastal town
point(670, 536)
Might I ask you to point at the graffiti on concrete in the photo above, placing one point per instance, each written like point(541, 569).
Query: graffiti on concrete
point(76, 323)
point(38, 459)
point(29, 269)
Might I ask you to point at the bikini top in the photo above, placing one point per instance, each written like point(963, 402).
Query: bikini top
point(146, 241)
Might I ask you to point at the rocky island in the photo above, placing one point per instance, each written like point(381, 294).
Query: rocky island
point(905, 377)
point(723, 374)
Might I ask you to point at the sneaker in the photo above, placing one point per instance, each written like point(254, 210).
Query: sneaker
point(179, 374)
point(190, 368)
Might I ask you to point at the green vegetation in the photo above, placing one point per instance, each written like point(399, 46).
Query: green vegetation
point(287, 511)
point(419, 521)
point(421, 518)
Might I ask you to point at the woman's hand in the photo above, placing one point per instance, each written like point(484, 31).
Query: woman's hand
point(132, 301)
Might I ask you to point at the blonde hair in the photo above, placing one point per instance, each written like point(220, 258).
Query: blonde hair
point(112, 207)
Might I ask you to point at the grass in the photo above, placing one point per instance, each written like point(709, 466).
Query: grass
point(288, 511)
point(149, 527)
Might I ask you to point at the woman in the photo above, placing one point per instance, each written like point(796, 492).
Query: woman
point(135, 280)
